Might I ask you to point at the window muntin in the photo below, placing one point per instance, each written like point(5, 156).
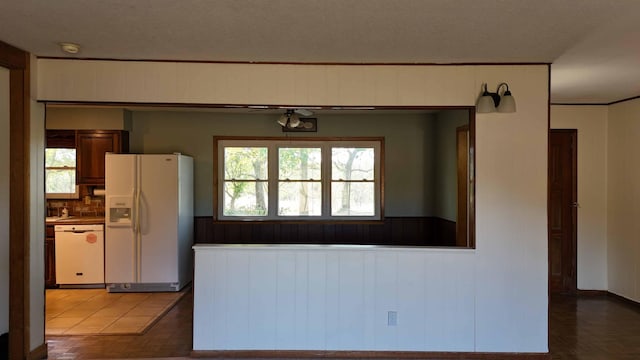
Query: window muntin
point(352, 177)
point(299, 181)
point(245, 181)
point(310, 173)
point(60, 173)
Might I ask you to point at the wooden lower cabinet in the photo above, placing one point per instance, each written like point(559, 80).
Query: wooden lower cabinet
point(50, 258)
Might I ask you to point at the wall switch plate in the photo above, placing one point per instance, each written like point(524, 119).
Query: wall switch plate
point(392, 318)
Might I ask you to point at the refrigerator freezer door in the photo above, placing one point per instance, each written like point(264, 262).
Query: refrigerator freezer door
point(120, 245)
point(159, 218)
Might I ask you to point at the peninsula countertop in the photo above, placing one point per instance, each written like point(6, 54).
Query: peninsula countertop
point(74, 220)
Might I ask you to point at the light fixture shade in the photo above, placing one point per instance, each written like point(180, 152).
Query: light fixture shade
point(282, 120)
point(485, 104)
point(507, 103)
point(294, 121)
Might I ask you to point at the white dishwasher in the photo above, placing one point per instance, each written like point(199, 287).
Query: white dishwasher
point(79, 255)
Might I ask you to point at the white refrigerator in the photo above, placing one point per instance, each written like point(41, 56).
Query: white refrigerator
point(148, 222)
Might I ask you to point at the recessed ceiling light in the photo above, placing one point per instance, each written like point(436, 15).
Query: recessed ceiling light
point(70, 48)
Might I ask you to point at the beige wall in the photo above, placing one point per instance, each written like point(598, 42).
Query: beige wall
point(510, 264)
point(591, 124)
point(36, 213)
point(36, 227)
point(4, 200)
point(408, 152)
point(623, 192)
point(86, 118)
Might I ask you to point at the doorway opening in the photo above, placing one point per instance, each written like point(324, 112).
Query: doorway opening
point(563, 210)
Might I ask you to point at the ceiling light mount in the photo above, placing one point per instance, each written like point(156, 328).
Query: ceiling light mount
point(70, 48)
point(291, 121)
point(491, 102)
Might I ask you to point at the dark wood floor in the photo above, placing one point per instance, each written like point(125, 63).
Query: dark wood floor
point(584, 328)
point(594, 327)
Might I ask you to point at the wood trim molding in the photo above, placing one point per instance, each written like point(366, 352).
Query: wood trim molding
point(294, 63)
point(311, 354)
point(216, 168)
point(247, 106)
point(12, 57)
point(17, 61)
point(623, 299)
point(41, 352)
point(592, 292)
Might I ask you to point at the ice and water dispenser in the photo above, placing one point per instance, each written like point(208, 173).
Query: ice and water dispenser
point(120, 209)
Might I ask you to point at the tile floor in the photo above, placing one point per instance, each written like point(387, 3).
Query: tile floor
point(170, 336)
point(97, 312)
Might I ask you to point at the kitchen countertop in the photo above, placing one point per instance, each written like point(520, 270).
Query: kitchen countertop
point(74, 220)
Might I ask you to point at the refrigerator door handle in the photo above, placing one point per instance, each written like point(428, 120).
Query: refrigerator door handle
point(138, 234)
point(136, 211)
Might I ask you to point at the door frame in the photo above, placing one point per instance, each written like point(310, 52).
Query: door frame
point(17, 61)
point(574, 210)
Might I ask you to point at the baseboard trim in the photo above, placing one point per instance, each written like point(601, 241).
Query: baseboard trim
point(593, 292)
point(288, 354)
point(624, 299)
point(41, 352)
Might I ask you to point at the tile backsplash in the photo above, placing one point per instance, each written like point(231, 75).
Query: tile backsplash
point(87, 206)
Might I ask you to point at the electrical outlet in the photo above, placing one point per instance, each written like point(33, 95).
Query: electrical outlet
point(392, 318)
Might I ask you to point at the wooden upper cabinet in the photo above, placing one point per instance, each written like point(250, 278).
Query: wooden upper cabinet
point(91, 147)
point(61, 139)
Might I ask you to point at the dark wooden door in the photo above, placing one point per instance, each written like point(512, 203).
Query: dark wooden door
point(462, 218)
point(562, 210)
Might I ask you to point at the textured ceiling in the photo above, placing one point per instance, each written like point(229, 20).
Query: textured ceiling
point(592, 44)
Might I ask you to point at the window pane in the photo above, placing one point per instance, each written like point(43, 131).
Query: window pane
point(300, 163)
point(60, 181)
point(299, 198)
point(245, 198)
point(352, 163)
point(352, 199)
point(245, 163)
point(60, 157)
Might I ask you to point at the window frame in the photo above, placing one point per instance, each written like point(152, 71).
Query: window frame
point(273, 144)
point(73, 195)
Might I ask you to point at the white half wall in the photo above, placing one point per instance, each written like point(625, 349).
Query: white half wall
point(623, 192)
point(591, 123)
point(4, 200)
point(309, 297)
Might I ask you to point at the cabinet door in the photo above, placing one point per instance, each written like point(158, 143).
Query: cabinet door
point(50, 259)
point(92, 145)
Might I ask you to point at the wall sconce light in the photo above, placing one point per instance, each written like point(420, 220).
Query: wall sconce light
point(491, 102)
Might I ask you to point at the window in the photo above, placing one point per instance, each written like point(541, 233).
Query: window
point(299, 179)
point(60, 173)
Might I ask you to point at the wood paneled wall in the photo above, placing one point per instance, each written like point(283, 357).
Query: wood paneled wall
point(407, 231)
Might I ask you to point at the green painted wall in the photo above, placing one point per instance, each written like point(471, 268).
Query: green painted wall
point(408, 160)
